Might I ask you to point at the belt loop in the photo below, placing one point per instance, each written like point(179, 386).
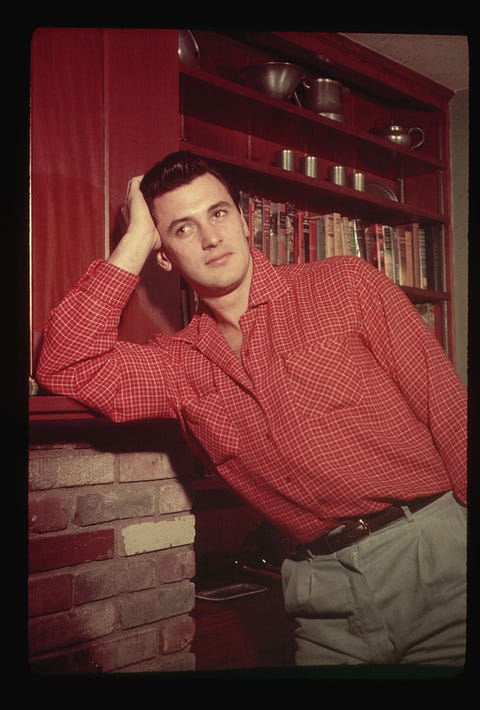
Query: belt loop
point(407, 513)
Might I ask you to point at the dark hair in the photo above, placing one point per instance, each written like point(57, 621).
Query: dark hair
point(175, 170)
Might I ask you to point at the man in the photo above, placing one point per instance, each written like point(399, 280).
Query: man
point(319, 395)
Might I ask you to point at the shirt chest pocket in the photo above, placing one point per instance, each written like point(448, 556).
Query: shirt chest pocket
point(210, 425)
point(323, 377)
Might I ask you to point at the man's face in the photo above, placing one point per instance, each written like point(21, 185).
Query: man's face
point(204, 236)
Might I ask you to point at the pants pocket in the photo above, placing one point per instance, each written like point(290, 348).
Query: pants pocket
point(317, 587)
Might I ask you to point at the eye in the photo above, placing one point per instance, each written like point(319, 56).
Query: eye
point(183, 230)
point(218, 214)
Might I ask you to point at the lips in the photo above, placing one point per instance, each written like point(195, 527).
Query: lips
point(220, 259)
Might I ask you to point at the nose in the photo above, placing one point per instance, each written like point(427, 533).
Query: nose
point(210, 238)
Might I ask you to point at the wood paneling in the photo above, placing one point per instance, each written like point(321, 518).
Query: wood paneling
point(67, 166)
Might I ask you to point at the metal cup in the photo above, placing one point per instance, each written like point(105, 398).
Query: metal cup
point(285, 159)
point(357, 181)
point(336, 174)
point(309, 166)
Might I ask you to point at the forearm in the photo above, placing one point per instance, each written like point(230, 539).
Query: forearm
point(141, 237)
point(83, 327)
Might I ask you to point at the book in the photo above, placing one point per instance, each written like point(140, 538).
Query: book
point(282, 233)
point(409, 279)
point(290, 228)
point(388, 253)
point(347, 245)
point(370, 247)
point(320, 236)
point(415, 254)
point(299, 238)
point(378, 249)
point(337, 234)
point(257, 223)
point(274, 233)
point(329, 235)
point(358, 236)
point(435, 249)
point(266, 227)
point(312, 237)
point(422, 247)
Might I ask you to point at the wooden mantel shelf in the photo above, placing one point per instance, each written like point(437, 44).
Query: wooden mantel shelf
point(52, 407)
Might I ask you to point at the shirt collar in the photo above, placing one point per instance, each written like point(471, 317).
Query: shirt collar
point(267, 285)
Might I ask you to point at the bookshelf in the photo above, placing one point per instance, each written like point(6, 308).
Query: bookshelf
point(241, 129)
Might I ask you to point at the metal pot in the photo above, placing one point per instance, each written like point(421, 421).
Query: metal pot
point(395, 133)
point(322, 96)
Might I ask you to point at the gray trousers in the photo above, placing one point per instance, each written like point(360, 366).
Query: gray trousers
point(397, 596)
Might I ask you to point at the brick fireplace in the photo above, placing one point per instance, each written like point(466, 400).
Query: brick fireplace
point(111, 558)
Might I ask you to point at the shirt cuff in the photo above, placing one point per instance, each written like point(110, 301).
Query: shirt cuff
point(108, 283)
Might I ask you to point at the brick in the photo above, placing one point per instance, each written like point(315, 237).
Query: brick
point(142, 608)
point(46, 553)
point(49, 594)
point(149, 466)
point(148, 536)
point(173, 497)
point(175, 564)
point(111, 655)
point(69, 467)
point(48, 633)
point(144, 466)
point(112, 578)
point(176, 634)
point(105, 506)
point(47, 513)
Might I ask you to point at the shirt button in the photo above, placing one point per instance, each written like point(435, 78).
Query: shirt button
point(269, 435)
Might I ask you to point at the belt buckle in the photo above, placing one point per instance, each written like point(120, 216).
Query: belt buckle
point(351, 532)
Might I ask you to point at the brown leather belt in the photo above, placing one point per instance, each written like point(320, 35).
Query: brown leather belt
point(356, 530)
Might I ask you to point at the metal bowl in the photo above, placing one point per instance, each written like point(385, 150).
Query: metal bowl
point(276, 79)
point(188, 50)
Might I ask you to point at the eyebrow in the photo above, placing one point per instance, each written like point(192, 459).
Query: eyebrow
point(212, 208)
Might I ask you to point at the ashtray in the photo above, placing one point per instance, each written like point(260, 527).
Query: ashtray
point(230, 591)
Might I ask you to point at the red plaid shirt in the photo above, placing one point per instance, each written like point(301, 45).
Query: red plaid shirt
point(343, 402)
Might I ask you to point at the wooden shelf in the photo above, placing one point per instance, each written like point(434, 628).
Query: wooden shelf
point(53, 407)
point(356, 203)
point(376, 154)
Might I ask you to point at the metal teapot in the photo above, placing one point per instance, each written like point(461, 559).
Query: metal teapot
point(395, 133)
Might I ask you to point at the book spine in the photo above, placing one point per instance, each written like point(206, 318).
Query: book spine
point(329, 235)
point(258, 223)
point(266, 227)
point(423, 257)
point(320, 227)
point(370, 248)
point(337, 231)
point(378, 257)
point(290, 226)
point(282, 233)
point(409, 279)
point(312, 238)
point(299, 238)
point(388, 255)
point(274, 233)
point(396, 254)
point(416, 255)
point(358, 238)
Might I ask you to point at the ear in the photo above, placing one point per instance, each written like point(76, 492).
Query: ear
point(163, 261)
